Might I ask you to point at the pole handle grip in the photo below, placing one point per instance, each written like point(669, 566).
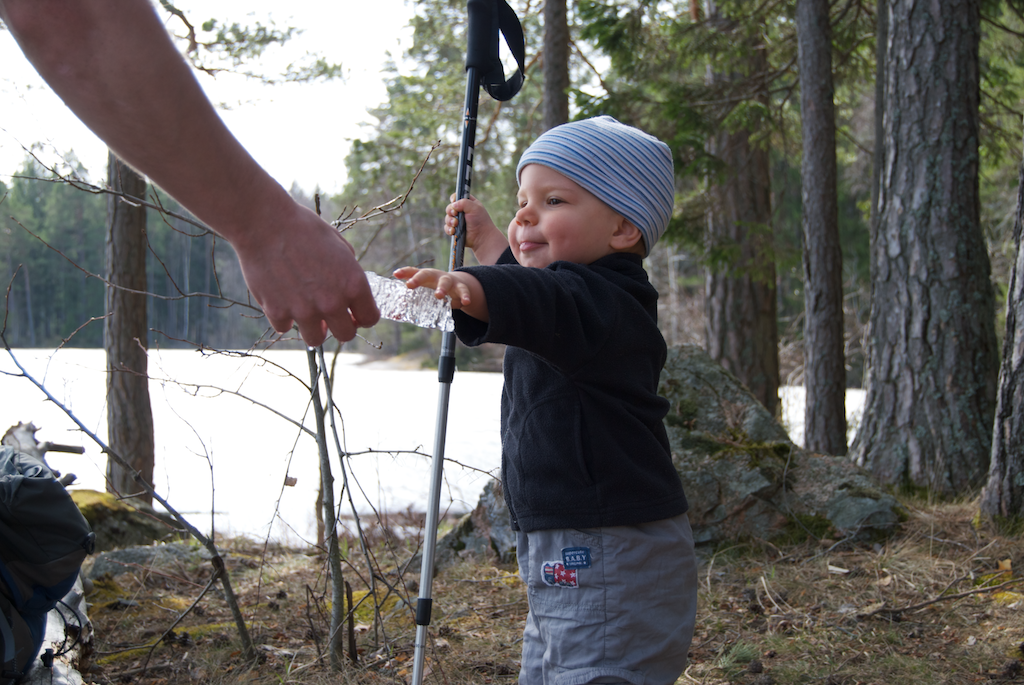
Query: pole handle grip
point(486, 19)
point(482, 38)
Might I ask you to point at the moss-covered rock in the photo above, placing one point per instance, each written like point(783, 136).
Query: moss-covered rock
point(118, 524)
point(744, 477)
point(484, 532)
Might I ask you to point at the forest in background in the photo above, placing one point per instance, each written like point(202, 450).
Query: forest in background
point(719, 81)
point(53, 232)
point(52, 244)
point(703, 76)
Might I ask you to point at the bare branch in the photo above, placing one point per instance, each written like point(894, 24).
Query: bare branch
point(92, 189)
point(193, 44)
point(7, 299)
point(213, 579)
point(391, 205)
point(892, 613)
point(216, 560)
point(183, 295)
point(1001, 27)
point(65, 341)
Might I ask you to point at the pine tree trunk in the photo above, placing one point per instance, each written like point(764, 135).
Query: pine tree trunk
point(741, 330)
point(824, 364)
point(129, 415)
point(556, 64)
point(881, 43)
point(1002, 499)
point(932, 351)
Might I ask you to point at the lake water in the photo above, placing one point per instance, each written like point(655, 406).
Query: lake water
point(224, 443)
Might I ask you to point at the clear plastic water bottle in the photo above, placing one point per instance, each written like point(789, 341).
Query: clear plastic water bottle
point(417, 306)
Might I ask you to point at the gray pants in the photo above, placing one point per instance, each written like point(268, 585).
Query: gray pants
point(608, 605)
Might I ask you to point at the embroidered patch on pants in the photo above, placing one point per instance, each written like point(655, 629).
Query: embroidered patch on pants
point(556, 574)
point(576, 557)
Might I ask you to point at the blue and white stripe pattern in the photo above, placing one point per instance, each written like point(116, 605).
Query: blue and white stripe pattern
point(629, 170)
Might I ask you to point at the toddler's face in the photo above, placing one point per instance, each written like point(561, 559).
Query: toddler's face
point(559, 220)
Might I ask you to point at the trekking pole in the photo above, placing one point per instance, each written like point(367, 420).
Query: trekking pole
point(483, 68)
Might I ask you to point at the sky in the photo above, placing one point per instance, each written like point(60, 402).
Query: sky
point(300, 133)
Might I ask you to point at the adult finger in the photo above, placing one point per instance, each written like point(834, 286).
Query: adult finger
point(315, 332)
point(364, 312)
point(282, 323)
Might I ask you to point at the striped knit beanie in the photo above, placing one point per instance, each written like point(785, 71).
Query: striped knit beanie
point(627, 169)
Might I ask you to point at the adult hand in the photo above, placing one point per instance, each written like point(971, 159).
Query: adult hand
point(301, 270)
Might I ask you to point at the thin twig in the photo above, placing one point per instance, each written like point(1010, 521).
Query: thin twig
point(7, 298)
point(65, 341)
point(344, 224)
point(122, 288)
point(216, 559)
point(213, 579)
point(330, 408)
point(392, 204)
point(85, 187)
point(768, 593)
point(922, 605)
point(334, 645)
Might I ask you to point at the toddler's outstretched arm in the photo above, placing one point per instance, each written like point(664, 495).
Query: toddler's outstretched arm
point(482, 236)
point(465, 290)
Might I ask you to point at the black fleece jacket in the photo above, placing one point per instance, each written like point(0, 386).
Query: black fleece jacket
point(583, 443)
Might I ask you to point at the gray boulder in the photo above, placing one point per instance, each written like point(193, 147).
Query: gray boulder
point(484, 532)
point(744, 478)
point(143, 558)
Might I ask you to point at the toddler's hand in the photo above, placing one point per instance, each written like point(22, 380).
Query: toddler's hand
point(444, 283)
point(482, 236)
point(478, 221)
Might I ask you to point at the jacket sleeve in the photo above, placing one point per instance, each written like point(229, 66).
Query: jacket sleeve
point(562, 313)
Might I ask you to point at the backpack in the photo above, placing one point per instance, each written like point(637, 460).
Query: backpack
point(43, 541)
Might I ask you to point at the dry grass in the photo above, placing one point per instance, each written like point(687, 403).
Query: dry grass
point(824, 612)
point(849, 613)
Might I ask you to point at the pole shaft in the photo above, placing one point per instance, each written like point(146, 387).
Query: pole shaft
point(465, 177)
point(446, 372)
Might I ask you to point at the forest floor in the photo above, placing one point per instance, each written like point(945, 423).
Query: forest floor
point(938, 602)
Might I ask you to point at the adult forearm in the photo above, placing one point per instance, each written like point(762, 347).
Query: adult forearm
point(113, 64)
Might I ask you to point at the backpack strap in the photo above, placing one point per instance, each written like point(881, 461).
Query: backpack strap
point(8, 636)
point(10, 670)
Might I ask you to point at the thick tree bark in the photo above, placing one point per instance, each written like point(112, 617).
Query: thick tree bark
point(1002, 498)
point(741, 331)
point(932, 351)
point(129, 415)
point(881, 41)
point(824, 364)
point(556, 64)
